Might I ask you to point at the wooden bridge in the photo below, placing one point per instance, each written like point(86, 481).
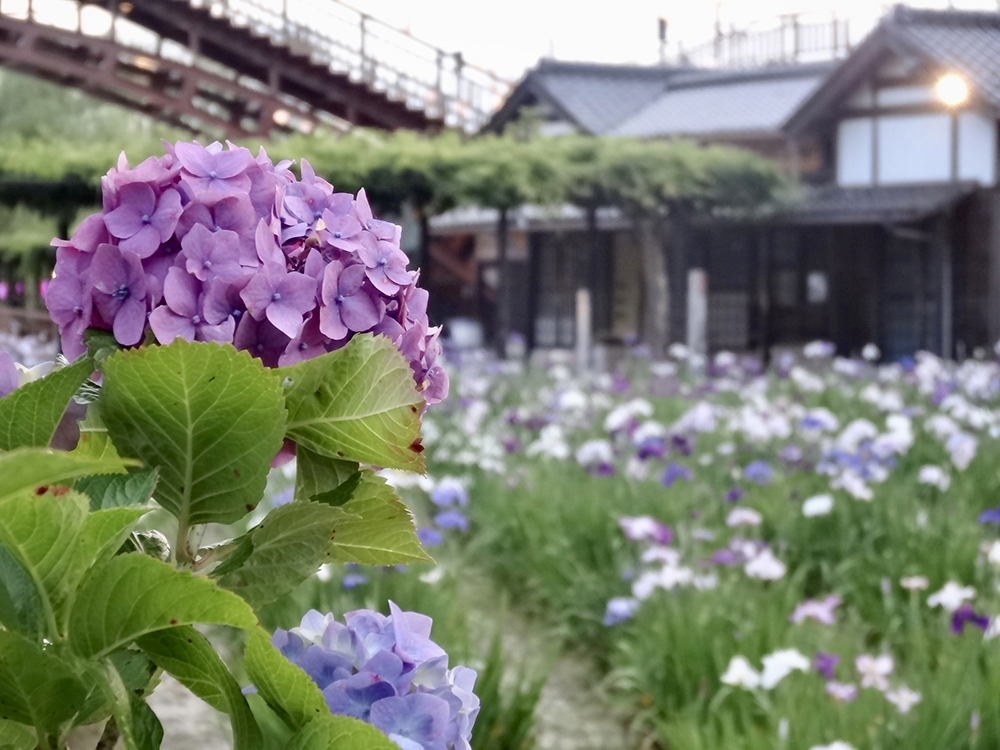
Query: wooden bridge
point(239, 68)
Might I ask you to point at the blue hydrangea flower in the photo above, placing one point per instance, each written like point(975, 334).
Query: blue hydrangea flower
point(449, 491)
point(990, 515)
point(388, 672)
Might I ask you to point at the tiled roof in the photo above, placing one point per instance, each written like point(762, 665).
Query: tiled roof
point(599, 101)
point(862, 205)
point(593, 96)
point(965, 41)
point(715, 103)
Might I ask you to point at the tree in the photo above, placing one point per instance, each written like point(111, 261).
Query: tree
point(660, 186)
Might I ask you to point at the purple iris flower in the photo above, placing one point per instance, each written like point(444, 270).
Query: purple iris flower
point(120, 292)
point(212, 170)
point(352, 580)
point(8, 374)
point(825, 664)
point(990, 515)
point(385, 264)
point(965, 614)
point(640, 528)
point(759, 472)
point(185, 316)
point(791, 454)
point(682, 444)
point(620, 609)
point(283, 298)
point(674, 472)
point(346, 305)
point(651, 447)
point(430, 537)
point(451, 519)
point(449, 492)
point(142, 222)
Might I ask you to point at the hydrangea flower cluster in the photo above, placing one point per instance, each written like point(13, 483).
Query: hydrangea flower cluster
point(386, 671)
point(212, 244)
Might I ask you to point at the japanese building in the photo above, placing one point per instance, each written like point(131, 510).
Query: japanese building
point(892, 235)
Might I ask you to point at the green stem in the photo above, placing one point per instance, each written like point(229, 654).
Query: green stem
point(182, 552)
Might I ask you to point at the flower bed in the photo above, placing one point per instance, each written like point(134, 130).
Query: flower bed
point(794, 559)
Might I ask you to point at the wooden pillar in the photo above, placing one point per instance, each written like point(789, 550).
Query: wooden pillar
point(946, 302)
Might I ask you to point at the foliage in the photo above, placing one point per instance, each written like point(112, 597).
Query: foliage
point(78, 607)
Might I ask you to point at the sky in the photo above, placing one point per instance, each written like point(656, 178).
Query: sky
point(511, 35)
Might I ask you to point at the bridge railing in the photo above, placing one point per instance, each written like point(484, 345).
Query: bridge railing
point(385, 58)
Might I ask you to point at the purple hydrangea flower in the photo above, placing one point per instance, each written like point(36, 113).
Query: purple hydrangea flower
point(386, 671)
point(734, 494)
point(311, 266)
point(143, 221)
point(120, 292)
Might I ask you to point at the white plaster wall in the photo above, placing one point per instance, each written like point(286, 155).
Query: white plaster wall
point(977, 147)
point(914, 148)
point(901, 96)
point(854, 152)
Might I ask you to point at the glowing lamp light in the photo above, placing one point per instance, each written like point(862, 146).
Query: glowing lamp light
point(952, 89)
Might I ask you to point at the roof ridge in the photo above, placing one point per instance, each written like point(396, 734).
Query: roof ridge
point(903, 15)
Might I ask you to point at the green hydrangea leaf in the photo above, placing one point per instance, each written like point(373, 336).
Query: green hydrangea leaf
point(316, 474)
point(208, 417)
point(138, 725)
point(37, 688)
point(20, 601)
point(132, 595)
point(288, 690)
point(339, 733)
point(14, 736)
point(29, 416)
point(27, 468)
point(377, 528)
point(41, 529)
point(118, 490)
point(358, 403)
point(288, 546)
point(189, 657)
